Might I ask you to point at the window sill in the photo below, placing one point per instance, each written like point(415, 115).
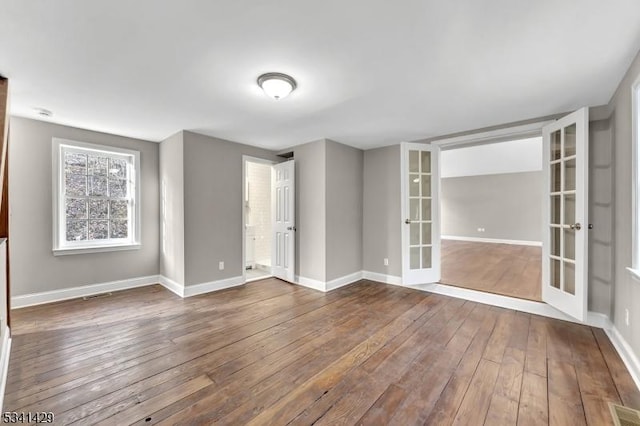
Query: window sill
point(635, 273)
point(95, 249)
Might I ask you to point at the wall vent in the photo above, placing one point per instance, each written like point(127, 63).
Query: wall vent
point(96, 296)
point(624, 416)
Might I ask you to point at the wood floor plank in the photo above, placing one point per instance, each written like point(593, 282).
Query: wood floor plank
point(274, 353)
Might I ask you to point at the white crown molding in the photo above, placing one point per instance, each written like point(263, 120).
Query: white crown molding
point(4, 364)
point(33, 299)
point(493, 240)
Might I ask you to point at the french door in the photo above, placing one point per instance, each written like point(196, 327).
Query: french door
point(283, 209)
point(565, 249)
point(420, 213)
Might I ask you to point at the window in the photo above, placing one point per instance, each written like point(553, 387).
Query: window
point(635, 117)
point(95, 198)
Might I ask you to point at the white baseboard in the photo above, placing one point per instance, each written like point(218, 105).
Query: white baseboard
point(171, 285)
point(382, 278)
point(4, 364)
point(342, 281)
point(329, 285)
point(625, 351)
point(310, 283)
point(494, 240)
point(194, 290)
point(33, 299)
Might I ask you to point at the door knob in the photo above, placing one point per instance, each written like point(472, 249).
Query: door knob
point(577, 226)
point(291, 228)
point(407, 221)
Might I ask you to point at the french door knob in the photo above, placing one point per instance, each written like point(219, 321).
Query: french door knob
point(407, 221)
point(577, 226)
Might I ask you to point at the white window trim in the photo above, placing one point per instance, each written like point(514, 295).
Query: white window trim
point(635, 187)
point(58, 200)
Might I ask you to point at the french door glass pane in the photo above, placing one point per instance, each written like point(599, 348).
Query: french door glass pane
point(556, 144)
point(426, 185)
point(555, 273)
point(414, 161)
point(426, 209)
point(569, 244)
point(569, 278)
point(425, 162)
point(555, 177)
point(414, 185)
point(570, 140)
point(414, 262)
point(426, 233)
point(570, 175)
point(569, 209)
point(426, 257)
point(555, 209)
point(414, 209)
point(555, 242)
point(414, 234)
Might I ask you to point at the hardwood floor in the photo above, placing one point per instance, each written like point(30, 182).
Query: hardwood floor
point(504, 269)
point(274, 353)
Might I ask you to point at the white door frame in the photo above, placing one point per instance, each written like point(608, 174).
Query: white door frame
point(248, 159)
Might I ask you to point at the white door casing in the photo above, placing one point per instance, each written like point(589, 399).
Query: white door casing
point(283, 219)
point(565, 238)
point(420, 189)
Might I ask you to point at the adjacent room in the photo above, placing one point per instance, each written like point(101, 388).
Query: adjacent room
point(320, 213)
point(492, 223)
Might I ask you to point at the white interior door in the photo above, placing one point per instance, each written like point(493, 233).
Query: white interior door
point(420, 164)
point(565, 250)
point(283, 217)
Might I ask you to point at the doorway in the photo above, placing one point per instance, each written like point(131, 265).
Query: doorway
point(257, 220)
point(492, 217)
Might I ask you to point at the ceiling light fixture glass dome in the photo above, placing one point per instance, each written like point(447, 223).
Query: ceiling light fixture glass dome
point(276, 85)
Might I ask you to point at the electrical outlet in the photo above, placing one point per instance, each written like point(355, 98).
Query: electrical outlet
point(626, 317)
point(221, 266)
point(386, 262)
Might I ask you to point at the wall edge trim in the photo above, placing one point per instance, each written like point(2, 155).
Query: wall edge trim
point(493, 240)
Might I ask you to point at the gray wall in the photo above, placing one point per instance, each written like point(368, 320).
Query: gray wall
point(508, 206)
point(344, 188)
point(311, 215)
point(601, 216)
point(213, 206)
point(381, 211)
point(627, 289)
point(172, 218)
point(34, 268)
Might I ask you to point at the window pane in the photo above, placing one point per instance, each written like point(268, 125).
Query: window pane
point(119, 209)
point(570, 175)
point(556, 142)
point(119, 229)
point(426, 257)
point(98, 165)
point(117, 188)
point(98, 229)
point(76, 230)
point(425, 161)
point(414, 234)
point(75, 163)
point(414, 258)
point(570, 140)
point(76, 208)
point(426, 186)
point(75, 185)
point(414, 185)
point(117, 168)
point(414, 209)
point(98, 209)
point(98, 186)
point(426, 209)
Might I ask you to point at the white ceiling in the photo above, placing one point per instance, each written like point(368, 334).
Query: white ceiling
point(523, 155)
point(369, 72)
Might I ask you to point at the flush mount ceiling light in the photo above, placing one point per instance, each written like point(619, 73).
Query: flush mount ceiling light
point(276, 85)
